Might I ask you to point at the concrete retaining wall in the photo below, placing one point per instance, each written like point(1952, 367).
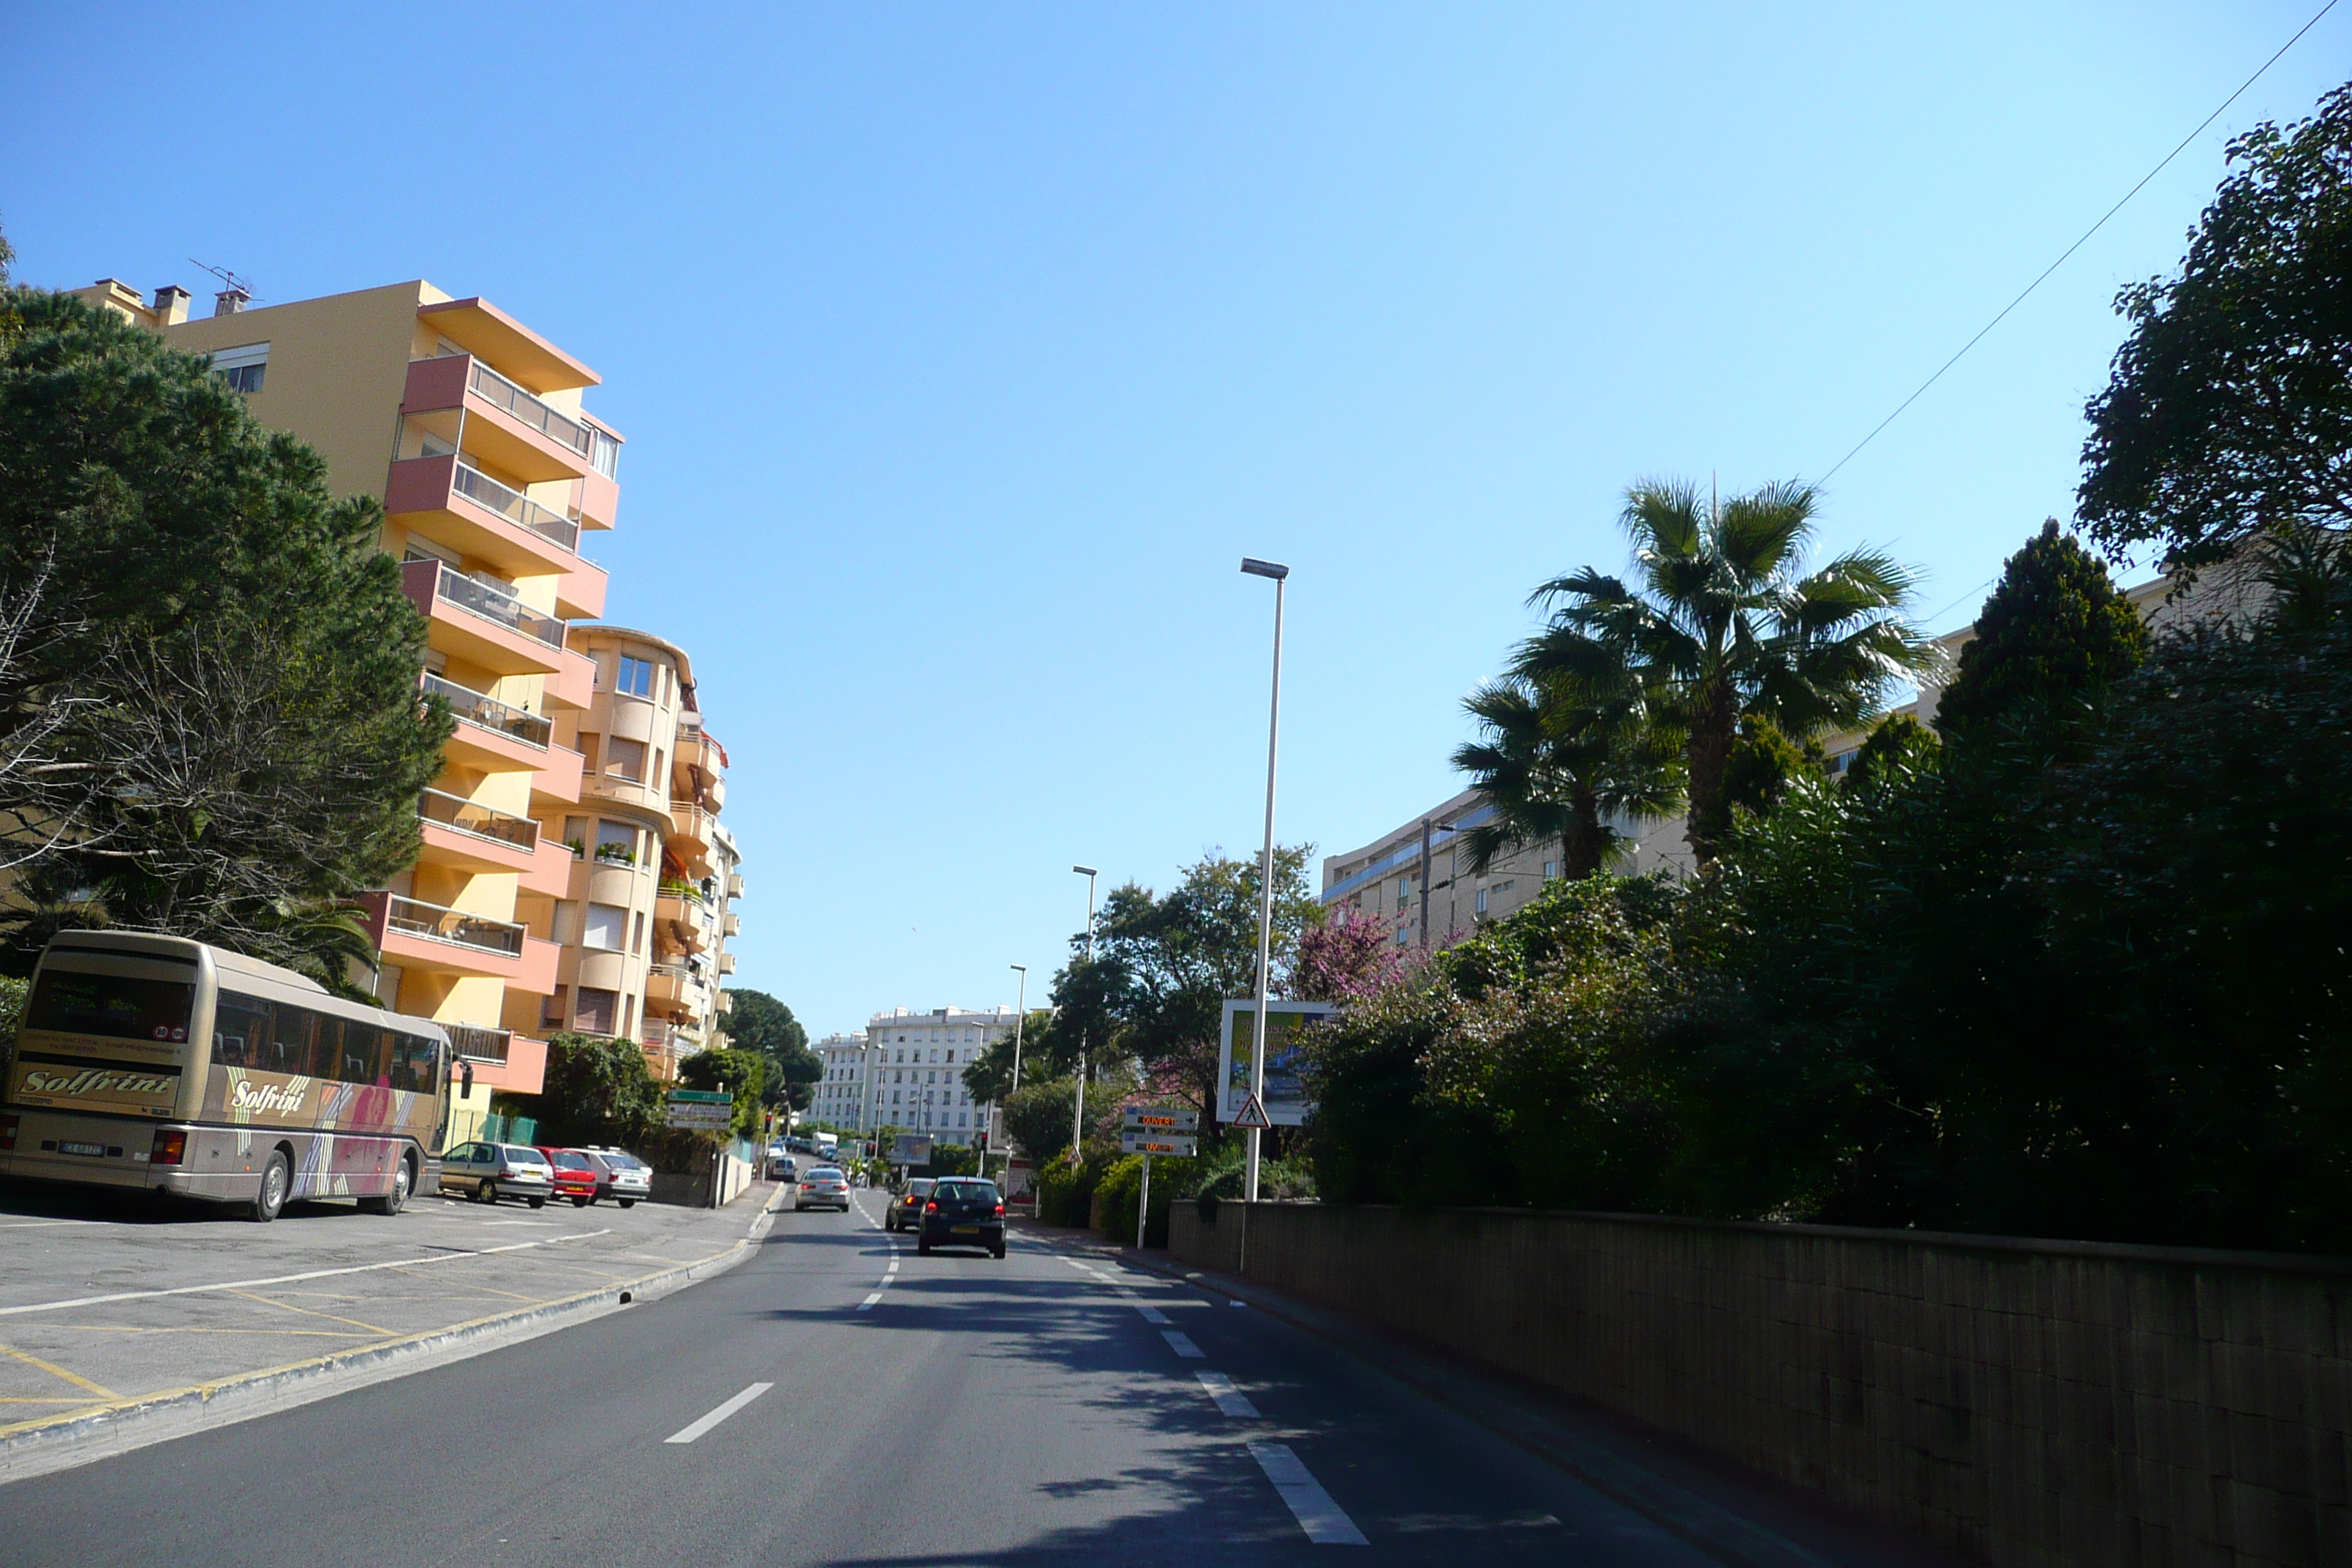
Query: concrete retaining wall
point(2030, 1403)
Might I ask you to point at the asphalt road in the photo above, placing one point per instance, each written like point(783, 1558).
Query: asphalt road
point(1048, 1408)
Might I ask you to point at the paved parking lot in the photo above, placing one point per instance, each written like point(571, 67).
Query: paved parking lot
point(104, 1299)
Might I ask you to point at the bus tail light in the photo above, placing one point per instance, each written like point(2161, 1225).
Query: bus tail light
point(171, 1148)
point(7, 1133)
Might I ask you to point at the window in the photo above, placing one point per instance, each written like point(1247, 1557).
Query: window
point(626, 758)
point(242, 368)
point(606, 924)
point(576, 833)
point(588, 752)
point(114, 1006)
point(1551, 869)
point(597, 1011)
point(1481, 901)
point(637, 939)
point(617, 842)
point(636, 677)
point(606, 454)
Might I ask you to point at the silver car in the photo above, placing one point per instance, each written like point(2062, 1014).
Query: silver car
point(628, 1181)
point(823, 1187)
point(488, 1171)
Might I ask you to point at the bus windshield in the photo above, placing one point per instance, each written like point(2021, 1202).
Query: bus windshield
point(118, 1006)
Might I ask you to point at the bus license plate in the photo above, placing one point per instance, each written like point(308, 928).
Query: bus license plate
point(966, 1230)
point(96, 1150)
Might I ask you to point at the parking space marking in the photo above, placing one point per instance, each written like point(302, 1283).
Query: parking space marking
point(1324, 1521)
point(1230, 1400)
point(455, 1255)
point(689, 1434)
point(1181, 1344)
point(73, 1377)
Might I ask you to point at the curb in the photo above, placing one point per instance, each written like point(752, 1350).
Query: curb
point(1725, 1536)
point(43, 1446)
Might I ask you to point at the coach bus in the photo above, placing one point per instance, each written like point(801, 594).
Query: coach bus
point(158, 1063)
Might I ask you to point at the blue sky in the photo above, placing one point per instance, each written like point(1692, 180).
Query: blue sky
point(963, 351)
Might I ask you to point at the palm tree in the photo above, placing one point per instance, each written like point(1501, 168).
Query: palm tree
point(1562, 755)
point(1720, 620)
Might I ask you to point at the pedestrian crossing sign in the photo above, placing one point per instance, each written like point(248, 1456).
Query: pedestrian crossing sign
point(1252, 1114)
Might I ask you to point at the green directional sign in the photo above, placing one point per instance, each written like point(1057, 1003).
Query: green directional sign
point(700, 1097)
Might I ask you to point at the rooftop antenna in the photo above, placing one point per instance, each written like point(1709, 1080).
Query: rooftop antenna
point(239, 288)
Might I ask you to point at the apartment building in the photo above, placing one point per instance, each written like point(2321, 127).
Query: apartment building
point(839, 1098)
point(467, 425)
point(1386, 877)
point(652, 879)
point(915, 1064)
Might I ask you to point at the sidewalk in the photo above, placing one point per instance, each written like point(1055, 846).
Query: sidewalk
point(119, 1327)
point(1739, 1518)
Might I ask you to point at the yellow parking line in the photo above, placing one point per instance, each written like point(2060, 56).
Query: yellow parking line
point(289, 1306)
point(128, 1329)
point(74, 1378)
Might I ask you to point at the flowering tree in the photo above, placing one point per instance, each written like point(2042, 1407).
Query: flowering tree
point(1347, 958)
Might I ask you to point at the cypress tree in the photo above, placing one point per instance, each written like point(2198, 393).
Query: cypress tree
point(2055, 626)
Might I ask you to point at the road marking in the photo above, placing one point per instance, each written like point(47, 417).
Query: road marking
point(1181, 1344)
point(75, 1378)
point(1151, 1314)
point(1230, 1400)
point(893, 1266)
point(306, 1312)
point(689, 1434)
point(1317, 1515)
point(451, 1257)
point(869, 1302)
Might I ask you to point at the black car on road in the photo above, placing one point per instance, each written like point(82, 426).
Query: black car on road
point(961, 1211)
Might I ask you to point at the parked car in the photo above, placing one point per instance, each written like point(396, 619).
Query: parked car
point(906, 1203)
point(823, 1186)
point(488, 1171)
point(628, 1181)
point(577, 1176)
point(782, 1167)
point(962, 1211)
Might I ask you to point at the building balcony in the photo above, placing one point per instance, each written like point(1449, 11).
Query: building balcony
point(556, 783)
point(499, 1058)
point(574, 684)
point(491, 735)
point(476, 838)
point(669, 985)
point(510, 425)
point(727, 964)
point(726, 1002)
point(483, 624)
point(550, 870)
point(449, 501)
point(735, 884)
point(690, 830)
point(678, 910)
point(730, 924)
point(415, 934)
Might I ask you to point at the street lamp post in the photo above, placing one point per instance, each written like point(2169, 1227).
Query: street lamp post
point(1078, 1112)
point(1281, 575)
point(1020, 1016)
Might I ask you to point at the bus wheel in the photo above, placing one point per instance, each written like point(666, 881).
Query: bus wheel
point(275, 1179)
point(393, 1202)
point(488, 1191)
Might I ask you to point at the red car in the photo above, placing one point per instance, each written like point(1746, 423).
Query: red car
point(576, 1175)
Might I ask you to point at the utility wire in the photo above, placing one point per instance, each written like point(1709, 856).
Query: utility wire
point(2078, 244)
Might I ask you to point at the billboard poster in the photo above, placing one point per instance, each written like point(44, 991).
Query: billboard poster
point(1286, 1097)
point(910, 1149)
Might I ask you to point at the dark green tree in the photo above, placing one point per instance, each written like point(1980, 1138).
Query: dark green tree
point(743, 1074)
point(240, 659)
point(2054, 627)
point(2229, 408)
point(1721, 618)
point(1762, 765)
point(597, 1090)
point(1037, 1117)
point(1044, 1054)
point(1897, 745)
point(758, 1023)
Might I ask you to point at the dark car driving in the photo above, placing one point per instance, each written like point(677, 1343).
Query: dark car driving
point(961, 1211)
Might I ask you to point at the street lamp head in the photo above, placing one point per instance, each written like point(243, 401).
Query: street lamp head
point(1022, 967)
point(1083, 870)
point(1257, 568)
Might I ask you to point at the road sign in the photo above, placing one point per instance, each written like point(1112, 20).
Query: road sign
point(1250, 1114)
point(1161, 1118)
point(702, 1118)
point(1182, 1146)
point(700, 1097)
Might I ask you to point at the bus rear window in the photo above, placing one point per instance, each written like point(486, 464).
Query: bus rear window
point(118, 1006)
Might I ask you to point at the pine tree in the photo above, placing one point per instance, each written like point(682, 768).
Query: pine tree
point(2055, 626)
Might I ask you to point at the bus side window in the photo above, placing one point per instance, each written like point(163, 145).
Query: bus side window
point(363, 1059)
point(239, 1026)
point(289, 1040)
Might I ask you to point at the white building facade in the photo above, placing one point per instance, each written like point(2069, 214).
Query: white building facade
point(915, 1064)
point(839, 1100)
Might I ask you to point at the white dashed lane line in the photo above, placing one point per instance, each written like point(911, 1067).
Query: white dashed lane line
point(1181, 1344)
point(689, 1434)
point(1230, 1400)
point(1324, 1521)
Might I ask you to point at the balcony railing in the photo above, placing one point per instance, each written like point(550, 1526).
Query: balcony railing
point(481, 821)
point(414, 917)
point(474, 1043)
point(497, 390)
point(514, 506)
point(494, 605)
point(491, 714)
point(671, 887)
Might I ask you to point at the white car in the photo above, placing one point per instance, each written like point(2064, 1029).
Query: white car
point(823, 1187)
point(628, 1181)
